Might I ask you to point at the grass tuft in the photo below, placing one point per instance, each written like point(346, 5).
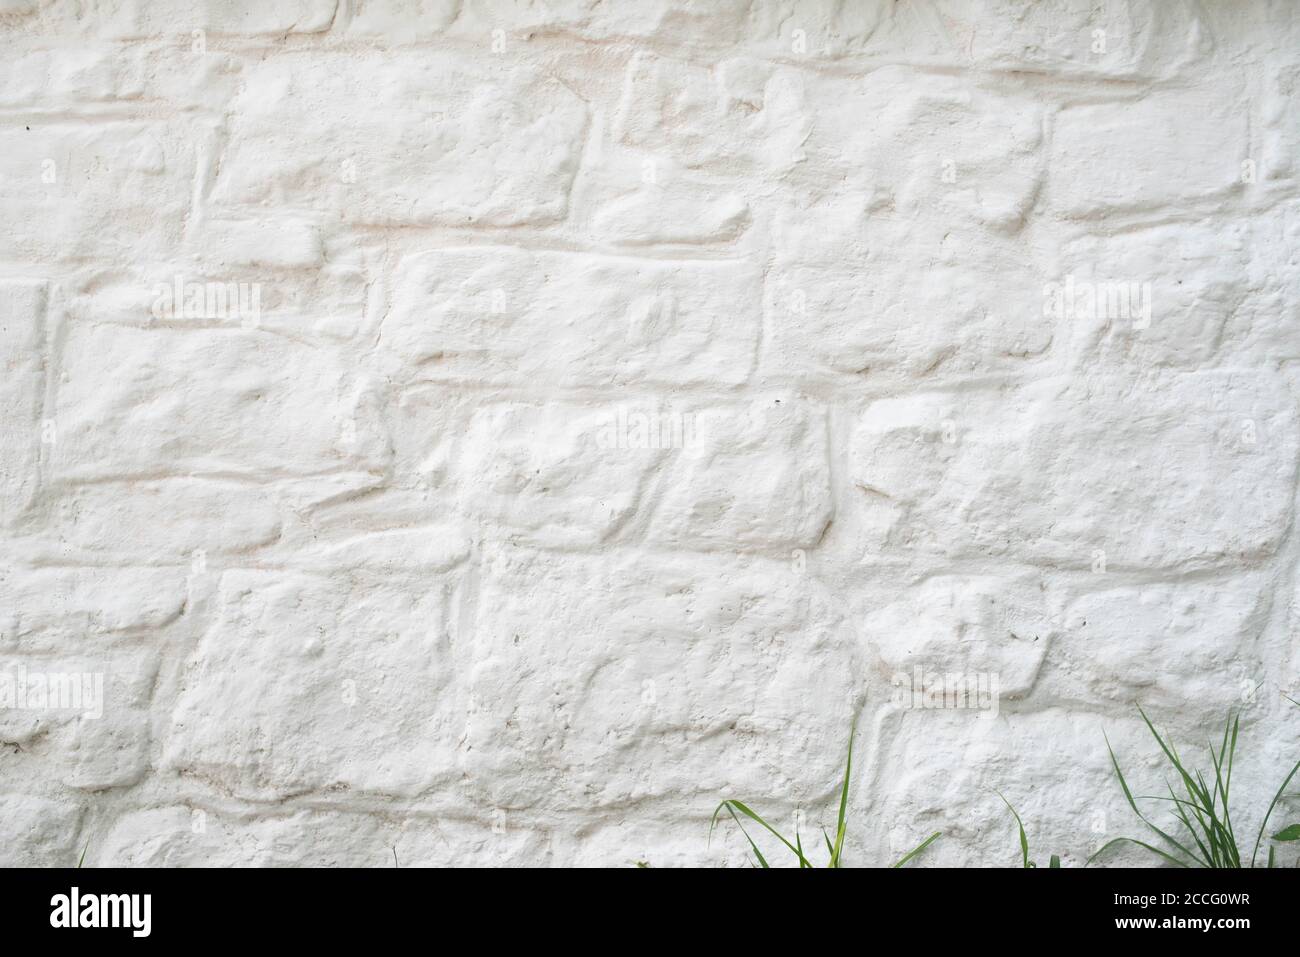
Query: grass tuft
point(1202, 805)
point(834, 848)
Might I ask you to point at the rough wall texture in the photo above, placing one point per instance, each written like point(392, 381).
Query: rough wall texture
point(492, 433)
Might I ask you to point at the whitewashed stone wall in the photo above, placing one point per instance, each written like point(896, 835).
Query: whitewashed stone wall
point(493, 433)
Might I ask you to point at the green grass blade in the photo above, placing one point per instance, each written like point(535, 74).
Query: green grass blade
point(1170, 753)
point(1182, 816)
point(1232, 750)
point(734, 805)
point(1128, 794)
point(918, 849)
point(1221, 850)
point(1133, 840)
point(1024, 840)
point(1222, 783)
point(757, 853)
point(1264, 823)
point(844, 799)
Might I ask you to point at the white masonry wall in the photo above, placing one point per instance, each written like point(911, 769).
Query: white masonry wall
point(493, 433)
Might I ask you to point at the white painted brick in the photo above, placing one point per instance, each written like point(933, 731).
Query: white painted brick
point(1099, 469)
point(287, 290)
point(1135, 156)
point(982, 626)
point(748, 476)
point(93, 74)
point(1114, 641)
point(547, 474)
point(925, 144)
point(22, 346)
point(866, 314)
point(77, 191)
point(1281, 140)
point(739, 115)
point(600, 681)
point(138, 19)
point(501, 315)
point(201, 516)
point(317, 667)
point(1119, 39)
point(252, 242)
point(1194, 277)
point(645, 199)
point(51, 608)
point(481, 143)
point(82, 718)
point(38, 832)
point(128, 407)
